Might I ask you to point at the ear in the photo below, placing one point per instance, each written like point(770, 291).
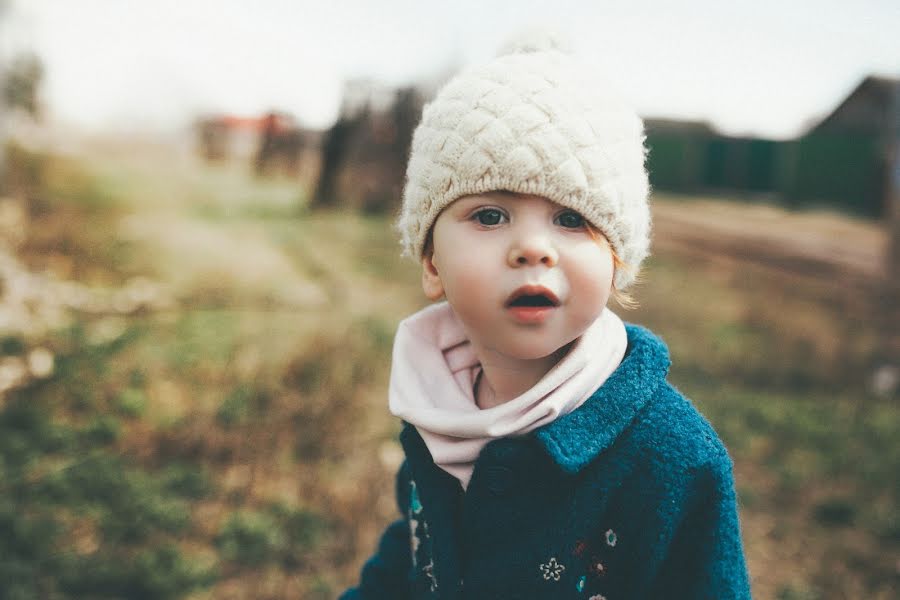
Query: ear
point(431, 280)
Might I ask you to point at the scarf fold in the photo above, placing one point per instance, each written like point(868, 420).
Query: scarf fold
point(433, 373)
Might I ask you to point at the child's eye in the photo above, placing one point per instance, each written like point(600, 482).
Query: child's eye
point(570, 220)
point(489, 217)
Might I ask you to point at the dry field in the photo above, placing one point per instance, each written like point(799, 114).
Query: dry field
point(215, 422)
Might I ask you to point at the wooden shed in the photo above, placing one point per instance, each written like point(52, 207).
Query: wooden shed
point(842, 162)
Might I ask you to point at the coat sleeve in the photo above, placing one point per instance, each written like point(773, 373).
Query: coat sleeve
point(385, 574)
point(706, 559)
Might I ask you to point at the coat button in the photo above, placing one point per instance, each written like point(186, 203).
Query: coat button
point(499, 479)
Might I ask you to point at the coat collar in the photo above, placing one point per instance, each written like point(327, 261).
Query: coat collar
point(575, 439)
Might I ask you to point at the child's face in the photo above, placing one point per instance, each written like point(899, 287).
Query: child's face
point(488, 250)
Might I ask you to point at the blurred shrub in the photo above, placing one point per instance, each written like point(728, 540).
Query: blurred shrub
point(102, 430)
point(236, 406)
point(129, 504)
point(12, 345)
point(21, 83)
point(26, 434)
point(25, 171)
point(799, 591)
point(188, 481)
point(27, 548)
point(277, 534)
point(54, 184)
point(250, 538)
point(835, 512)
point(160, 573)
point(132, 402)
point(334, 375)
point(303, 530)
point(76, 519)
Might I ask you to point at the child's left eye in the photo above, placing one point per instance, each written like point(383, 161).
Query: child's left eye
point(570, 220)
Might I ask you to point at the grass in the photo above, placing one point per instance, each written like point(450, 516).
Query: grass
point(237, 444)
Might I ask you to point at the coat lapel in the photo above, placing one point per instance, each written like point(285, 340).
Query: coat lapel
point(577, 438)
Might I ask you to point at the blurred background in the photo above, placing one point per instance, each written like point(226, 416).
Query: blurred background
point(199, 284)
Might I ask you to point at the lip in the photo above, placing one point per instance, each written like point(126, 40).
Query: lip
point(531, 314)
point(532, 290)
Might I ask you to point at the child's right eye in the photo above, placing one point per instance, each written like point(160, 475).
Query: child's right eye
point(489, 217)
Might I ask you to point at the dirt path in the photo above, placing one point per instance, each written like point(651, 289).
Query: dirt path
point(818, 245)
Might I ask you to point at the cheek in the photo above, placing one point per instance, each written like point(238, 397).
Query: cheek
point(593, 282)
point(464, 282)
point(462, 275)
point(593, 296)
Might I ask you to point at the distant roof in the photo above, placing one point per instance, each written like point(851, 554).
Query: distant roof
point(236, 122)
point(872, 107)
point(654, 125)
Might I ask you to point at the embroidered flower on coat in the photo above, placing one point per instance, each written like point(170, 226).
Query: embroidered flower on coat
point(597, 568)
point(429, 573)
point(611, 538)
point(552, 570)
point(597, 597)
point(413, 539)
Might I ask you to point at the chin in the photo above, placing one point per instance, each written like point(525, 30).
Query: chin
point(533, 351)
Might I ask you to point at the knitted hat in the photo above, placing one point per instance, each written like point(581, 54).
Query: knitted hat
point(532, 121)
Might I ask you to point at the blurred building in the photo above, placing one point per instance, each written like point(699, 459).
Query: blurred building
point(842, 162)
point(271, 143)
point(222, 137)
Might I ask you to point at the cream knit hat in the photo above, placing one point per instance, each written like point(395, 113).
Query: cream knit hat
point(533, 121)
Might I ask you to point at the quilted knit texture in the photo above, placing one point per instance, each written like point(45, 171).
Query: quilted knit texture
point(534, 122)
point(629, 497)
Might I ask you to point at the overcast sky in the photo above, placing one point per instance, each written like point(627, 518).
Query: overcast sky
point(761, 67)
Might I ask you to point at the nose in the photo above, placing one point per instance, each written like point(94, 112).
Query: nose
point(531, 250)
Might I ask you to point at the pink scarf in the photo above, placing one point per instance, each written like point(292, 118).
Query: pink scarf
point(434, 371)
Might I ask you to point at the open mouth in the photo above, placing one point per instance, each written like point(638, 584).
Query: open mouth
point(529, 300)
point(532, 296)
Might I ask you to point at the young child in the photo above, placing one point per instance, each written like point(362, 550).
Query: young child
point(546, 454)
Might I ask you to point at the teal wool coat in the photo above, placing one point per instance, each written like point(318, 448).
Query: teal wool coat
point(630, 496)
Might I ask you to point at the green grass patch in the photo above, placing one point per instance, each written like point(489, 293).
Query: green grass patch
point(276, 534)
